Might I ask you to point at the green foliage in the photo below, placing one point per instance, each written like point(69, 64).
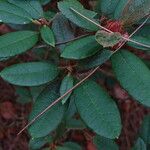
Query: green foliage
point(97, 60)
point(133, 75)
point(24, 95)
point(69, 146)
point(107, 7)
point(98, 110)
point(134, 11)
point(53, 49)
point(37, 143)
point(15, 43)
point(29, 74)
point(62, 29)
point(51, 119)
point(81, 48)
point(139, 145)
point(66, 84)
point(107, 39)
point(105, 144)
point(20, 12)
point(47, 35)
point(140, 39)
point(65, 8)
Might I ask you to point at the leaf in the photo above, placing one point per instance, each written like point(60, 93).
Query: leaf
point(29, 74)
point(139, 145)
point(96, 60)
point(10, 13)
point(64, 7)
point(141, 39)
point(44, 2)
point(81, 48)
point(47, 35)
point(134, 11)
point(133, 75)
point(33, 8)
point(36, 91)
point(108, 6)
point(48, 15)
point(66, 84)
point(62, 29)
point(15, 43)
point(69, 146)
point(37, 143)
point(105, 144)
point(145, 130)
point(98, 110)
point(107, 39)
point(120, 6)
point(24, 95)
point(49, 120)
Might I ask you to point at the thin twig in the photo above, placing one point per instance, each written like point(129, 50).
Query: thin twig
point(64, 42)
point(59, 99)
point(71, 40)
point(137, 29)
point(97, 24)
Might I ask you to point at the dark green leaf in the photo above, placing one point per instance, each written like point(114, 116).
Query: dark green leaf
point(48, 36)
point(10, 13)
point(98, 110)
point(64, 7)
point(51, 119)
point(141, 39)
point(120, 6)
point(139, 145)
point(135, 10)
point(107, 39)
point(105, 144)
point(69, 146)
point(33, 8)
point(44, 2)
point(15, 43)
point(36, 91)
point(145, 130)
point(133, 75)
point(24, 95)
point(29, 74)
point(107, 7)
point(96, 60)
point(37, 143)
point(49, 15)
point(81, 48)
point(73, 123)
point(63, 30)
point(66, 84)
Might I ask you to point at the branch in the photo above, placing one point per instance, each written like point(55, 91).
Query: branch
point(71, 40)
